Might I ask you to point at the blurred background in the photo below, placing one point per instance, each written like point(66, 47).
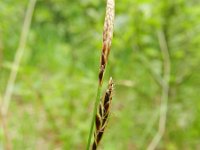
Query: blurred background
point(55, 89)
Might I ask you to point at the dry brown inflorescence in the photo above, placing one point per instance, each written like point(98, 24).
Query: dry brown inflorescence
point(107, 37)
point(102, 115)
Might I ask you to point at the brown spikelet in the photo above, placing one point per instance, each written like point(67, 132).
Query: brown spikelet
point(102, 115)
point(107, 37)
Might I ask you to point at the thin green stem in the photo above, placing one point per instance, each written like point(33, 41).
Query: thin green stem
point(94, 115)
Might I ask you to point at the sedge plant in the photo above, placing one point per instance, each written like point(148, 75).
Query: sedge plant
point(107, 39)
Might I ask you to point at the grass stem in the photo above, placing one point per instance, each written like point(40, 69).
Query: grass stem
point(94, 115)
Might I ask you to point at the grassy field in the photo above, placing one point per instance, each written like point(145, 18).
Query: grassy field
point(154, 62)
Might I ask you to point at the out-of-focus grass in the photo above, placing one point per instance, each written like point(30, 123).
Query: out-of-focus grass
point(56, 85)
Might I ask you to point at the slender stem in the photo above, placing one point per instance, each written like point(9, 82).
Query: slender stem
point(18, 56)
point(14, 70)
point(165, 92)
point(94, 115)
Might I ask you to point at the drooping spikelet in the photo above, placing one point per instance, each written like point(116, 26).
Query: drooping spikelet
point(102, 115)
point(107, 36)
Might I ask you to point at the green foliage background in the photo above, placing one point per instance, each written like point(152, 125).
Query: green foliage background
point(57, 80)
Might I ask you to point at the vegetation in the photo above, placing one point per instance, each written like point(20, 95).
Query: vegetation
point(155, 63)
point(102, 104)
